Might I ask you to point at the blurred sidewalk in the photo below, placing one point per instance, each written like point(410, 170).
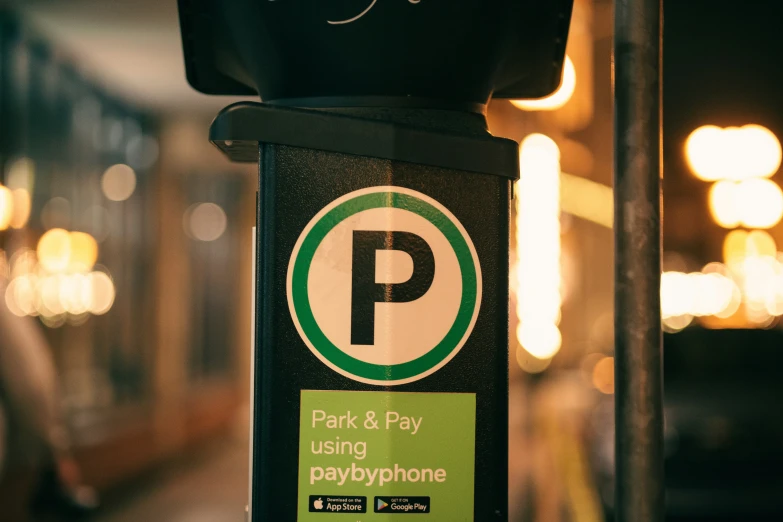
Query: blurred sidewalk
point(209, 486)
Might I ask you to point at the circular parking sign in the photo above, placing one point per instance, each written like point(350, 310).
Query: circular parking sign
point(384, 285)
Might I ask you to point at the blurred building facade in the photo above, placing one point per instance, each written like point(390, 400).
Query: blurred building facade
point(127, 239)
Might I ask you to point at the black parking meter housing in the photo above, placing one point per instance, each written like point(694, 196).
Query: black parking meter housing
point(319, 52)
point(358, 95)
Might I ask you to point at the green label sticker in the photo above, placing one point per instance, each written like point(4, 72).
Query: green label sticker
point(371, 456)
point(384, 285)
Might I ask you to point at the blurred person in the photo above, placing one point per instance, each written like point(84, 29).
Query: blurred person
point(34, 446)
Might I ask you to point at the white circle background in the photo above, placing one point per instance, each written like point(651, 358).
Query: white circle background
point(403, 331)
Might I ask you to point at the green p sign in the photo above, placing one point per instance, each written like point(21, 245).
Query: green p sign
point(384, 285)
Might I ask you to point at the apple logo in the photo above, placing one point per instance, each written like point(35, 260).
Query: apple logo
point(318, 504)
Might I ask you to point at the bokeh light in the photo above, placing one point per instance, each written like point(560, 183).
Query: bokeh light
point(587, 199)
point(84, 252)
point(205, 221)
point(6, 207)
point(5, 267)
point(103, 293)
point(735, 300)
point(54, 250)
point(56, 297)
point(21, 174)
point(557, 99)
point(741, 244)
point(22, 208)
point(761, 203)
point(23, 262)
point(753, 203)
point(603, 375)
point(118, 182)
point(530, 363)
point(724, 205)
point(21, 179)
point(761, 151)
point(676, 323)
point(542, 341)
point(733, 153)
point(17, 296)
point(712, 292)
point(703, 154)
point(537, 276)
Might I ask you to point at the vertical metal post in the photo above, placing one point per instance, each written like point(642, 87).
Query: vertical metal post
point(638, 355)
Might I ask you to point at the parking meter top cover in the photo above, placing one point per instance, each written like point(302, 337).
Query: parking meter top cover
point(327, 53)
point(239, 128)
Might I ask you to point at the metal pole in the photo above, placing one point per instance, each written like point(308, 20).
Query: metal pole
point(638, 356)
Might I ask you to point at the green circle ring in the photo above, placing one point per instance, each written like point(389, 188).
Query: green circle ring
point(304, 313)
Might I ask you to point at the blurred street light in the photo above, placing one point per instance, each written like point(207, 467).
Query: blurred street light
point(6, 207)
point(538, 273)
point(741, 244)
point(118, 182)
point(103, 293)
point(603, 375)
point(557, 99)
point(733, 153)
point(760, 202)
point(69, 294)
point(54, 250)
point(753, 203)
point(84, 252)
point(22, 207)
point(205, 221)
point(587, 199)
point(21, 179)
point(700, 294)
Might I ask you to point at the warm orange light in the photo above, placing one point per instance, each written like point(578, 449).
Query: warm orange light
point(733, 153)
point(603, 375)
point(761, 151)
point(6, 207)
point(529, 363)
point(740, 244)
point(103, 293)
point(587, 199)
point(760, 244)
point(734, 301)
point(711, 292)
point(754, 203)
point(22, 206)
point(538, 274)
point(54, 250)
point(84, 252)
point(760, 202)
point(542, 341)
point(676, 323)
point(559, 98)
point(702, 150)
point(724, 206)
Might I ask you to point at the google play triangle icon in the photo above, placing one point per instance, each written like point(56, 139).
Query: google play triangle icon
point(380, 505)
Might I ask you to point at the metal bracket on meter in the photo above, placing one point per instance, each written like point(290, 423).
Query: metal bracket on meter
point(239, 128)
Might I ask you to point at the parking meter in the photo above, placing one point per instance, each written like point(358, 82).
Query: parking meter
point(380, 382)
